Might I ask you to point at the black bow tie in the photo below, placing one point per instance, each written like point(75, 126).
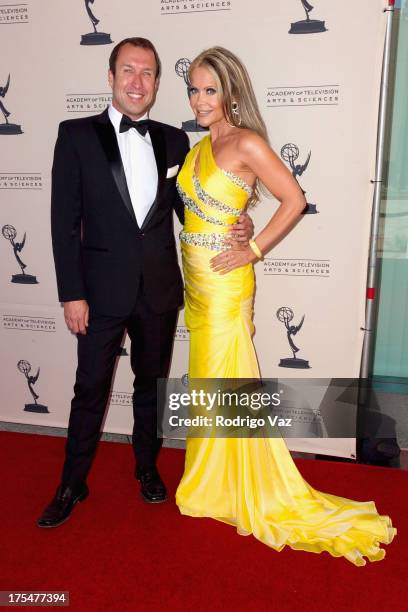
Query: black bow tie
point(141, 126)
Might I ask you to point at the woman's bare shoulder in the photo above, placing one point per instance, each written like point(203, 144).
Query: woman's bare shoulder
point(249, 142)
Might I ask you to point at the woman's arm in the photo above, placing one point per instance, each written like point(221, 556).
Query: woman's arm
point(257, 156)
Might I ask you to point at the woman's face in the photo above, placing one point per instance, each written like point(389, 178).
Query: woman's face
point(205, 98)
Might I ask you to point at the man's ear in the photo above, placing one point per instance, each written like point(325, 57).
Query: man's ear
point(111, 78)
point(156, 85)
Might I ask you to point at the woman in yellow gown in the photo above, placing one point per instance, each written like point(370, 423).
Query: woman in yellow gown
point(251, 483)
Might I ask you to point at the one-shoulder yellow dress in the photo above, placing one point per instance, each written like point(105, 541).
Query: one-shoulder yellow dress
point(251, 483)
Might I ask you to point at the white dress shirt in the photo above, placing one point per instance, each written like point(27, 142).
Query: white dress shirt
point(139, 164)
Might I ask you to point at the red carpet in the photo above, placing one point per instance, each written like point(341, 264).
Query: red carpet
point(118, 553)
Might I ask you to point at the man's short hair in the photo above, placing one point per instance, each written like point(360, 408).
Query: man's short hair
point(136, 41)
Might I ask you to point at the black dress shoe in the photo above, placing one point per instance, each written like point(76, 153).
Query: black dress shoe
point(60, 508)
point(152, 487)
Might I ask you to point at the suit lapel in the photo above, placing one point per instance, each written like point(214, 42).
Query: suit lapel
point(159, 148)
point(107, 137)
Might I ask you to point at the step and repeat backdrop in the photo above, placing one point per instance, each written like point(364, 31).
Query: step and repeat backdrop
point(316, 71)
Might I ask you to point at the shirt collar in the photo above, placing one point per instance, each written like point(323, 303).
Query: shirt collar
point(116, 117)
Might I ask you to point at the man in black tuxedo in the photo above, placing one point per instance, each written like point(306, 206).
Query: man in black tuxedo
point(113, 196)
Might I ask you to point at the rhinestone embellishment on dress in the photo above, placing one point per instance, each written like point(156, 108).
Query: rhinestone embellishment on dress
point(214, 242)
point(210, 201)
point(193, 207)
point(237, 180)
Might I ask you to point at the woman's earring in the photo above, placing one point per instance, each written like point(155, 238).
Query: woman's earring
point(236, 113)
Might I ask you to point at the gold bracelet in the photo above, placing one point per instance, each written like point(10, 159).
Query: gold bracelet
point(255, 249)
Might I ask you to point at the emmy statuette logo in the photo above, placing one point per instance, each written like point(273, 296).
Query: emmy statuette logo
point(25, 368)
point(181, 68)
point(290, 153)
point(307, 26)
point(285, 315)
point(9, 232)
point(95, 37)
point(7, 129)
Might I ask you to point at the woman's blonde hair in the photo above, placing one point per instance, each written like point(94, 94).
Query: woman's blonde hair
point(236, 89)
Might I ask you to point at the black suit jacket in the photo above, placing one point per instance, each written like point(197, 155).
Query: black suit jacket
point(100, 252)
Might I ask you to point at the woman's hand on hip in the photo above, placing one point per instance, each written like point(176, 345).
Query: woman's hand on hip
point(231, 259)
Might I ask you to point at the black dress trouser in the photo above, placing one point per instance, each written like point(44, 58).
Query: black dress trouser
point(151, 336)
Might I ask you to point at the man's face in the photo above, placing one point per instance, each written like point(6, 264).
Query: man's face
point(134, 84)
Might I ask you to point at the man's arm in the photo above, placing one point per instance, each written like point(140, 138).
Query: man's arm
point(178, 204)
point(66, 211)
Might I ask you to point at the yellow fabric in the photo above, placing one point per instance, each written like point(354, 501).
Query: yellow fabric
point(251, 483)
